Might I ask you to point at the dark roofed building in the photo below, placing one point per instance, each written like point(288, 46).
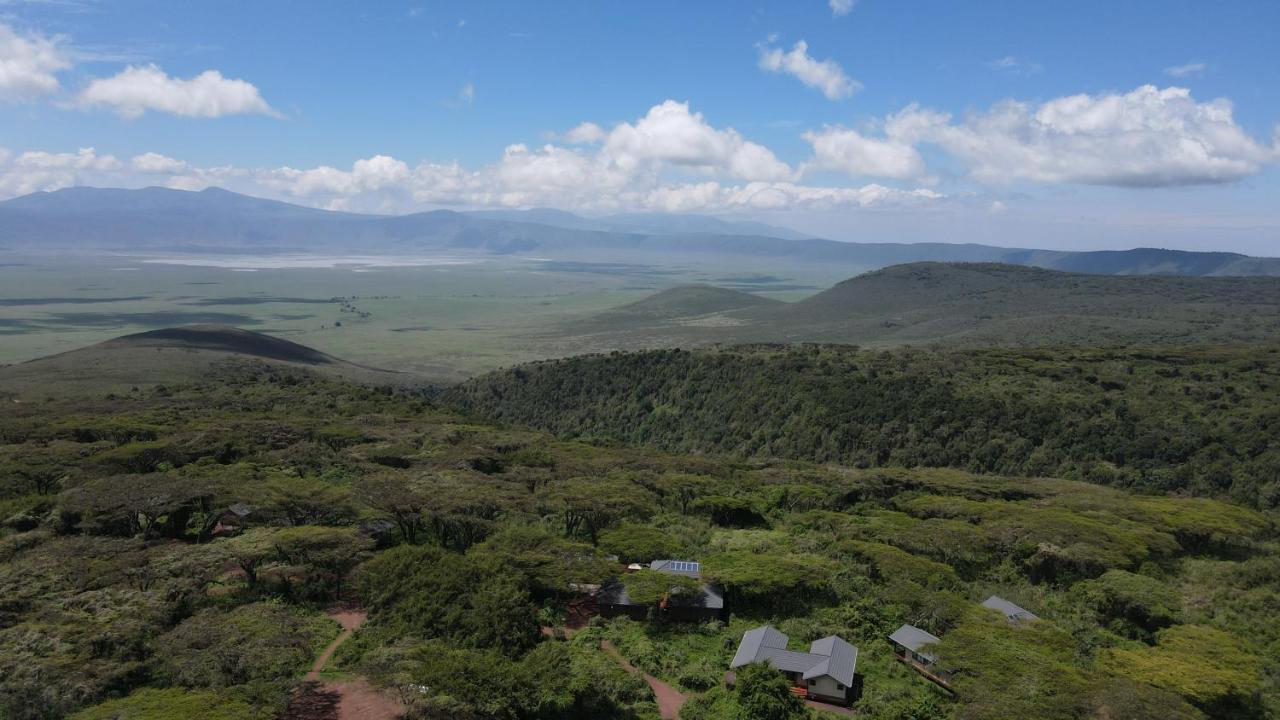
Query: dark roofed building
point(828, 672)
point(706, 605)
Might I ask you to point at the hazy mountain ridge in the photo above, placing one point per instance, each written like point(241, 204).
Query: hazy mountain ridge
point(214, 220)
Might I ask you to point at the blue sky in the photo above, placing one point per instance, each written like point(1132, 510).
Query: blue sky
point(1049, 124)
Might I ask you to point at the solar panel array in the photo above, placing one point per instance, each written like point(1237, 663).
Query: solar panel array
point(685, 566)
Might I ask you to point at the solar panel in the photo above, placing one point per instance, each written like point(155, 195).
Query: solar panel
point(685, 566)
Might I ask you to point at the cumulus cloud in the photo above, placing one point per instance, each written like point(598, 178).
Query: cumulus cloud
point(588, 133)
point(156, 164)
point(824, 75)
point(670, 159)
point(841, 7)
point(141, 88)
point(29, 64)
point(1187, 70)
point(36, 170)
point(670, 135)
point(1149, 137)
point(845, 150)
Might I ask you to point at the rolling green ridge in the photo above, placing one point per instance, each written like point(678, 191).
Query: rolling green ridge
point(1201, 421)
point(973, 305)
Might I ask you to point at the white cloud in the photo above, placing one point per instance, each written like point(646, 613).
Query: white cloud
point(669, 135)
point(157, 164)
point(137, 89)
point(83, 159)
point(849, 151)
point(1149, 137)
point(28, 64)
point(671, 158)
point(1015, 65)
point(824, 75)
point(841, 7)
point(588, 133)
point(33, 171)
point(1187, 70)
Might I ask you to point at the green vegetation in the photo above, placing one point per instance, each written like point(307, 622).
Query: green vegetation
point(171, 548)
point(1197, 421)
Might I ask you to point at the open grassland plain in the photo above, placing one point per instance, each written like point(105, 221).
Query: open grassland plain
point(443, 321)
point(174, 548)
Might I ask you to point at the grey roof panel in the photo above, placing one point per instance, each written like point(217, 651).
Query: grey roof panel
point(829, 656)
point(843, 658)
point(789, 660)
point(753, 640)
point(1011, 611)
point(913, 638)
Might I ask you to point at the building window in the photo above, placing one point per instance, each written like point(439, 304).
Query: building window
point(839, 686)
point(813, 682)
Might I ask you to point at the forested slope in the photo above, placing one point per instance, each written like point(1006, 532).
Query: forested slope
point(1199, 421)
point(165, 552)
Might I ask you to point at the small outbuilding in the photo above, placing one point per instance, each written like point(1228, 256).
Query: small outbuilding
point(828, 672)
point(1011, 612)
point(909, 643)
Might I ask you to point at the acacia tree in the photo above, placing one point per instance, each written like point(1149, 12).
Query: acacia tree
point(326, 554)
point(649, 587)
point(150, 505)
point(306, 501)
point(251, 549)
point(398, 500)
point(592, 504)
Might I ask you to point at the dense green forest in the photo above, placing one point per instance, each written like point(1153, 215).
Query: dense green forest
point(1200, 421)
point(167, 552)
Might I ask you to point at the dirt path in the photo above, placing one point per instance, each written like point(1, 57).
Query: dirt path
point(341, 699)
point(670, 700)
point(350, 620)
point(829, 708)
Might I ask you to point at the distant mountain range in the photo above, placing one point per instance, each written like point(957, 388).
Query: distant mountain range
point(964, 304)
point(218, 221)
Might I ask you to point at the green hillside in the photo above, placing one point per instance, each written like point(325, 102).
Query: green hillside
point(167, 551)
point(980, 305)
point(1199, 421)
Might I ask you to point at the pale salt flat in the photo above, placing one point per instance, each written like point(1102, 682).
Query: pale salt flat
point(288, 262)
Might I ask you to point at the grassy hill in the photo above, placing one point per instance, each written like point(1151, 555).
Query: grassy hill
point(1199, 421)
point(979, 305)
point(687, 305)
point(170, 355)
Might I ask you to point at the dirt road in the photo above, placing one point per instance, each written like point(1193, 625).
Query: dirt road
point(341, 699)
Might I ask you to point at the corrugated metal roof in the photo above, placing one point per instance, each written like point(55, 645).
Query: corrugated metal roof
point(1010, 611)
point(913, 638)
point(752, 640)
point(789, 660)
point(829, 656)
point(843, 659)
